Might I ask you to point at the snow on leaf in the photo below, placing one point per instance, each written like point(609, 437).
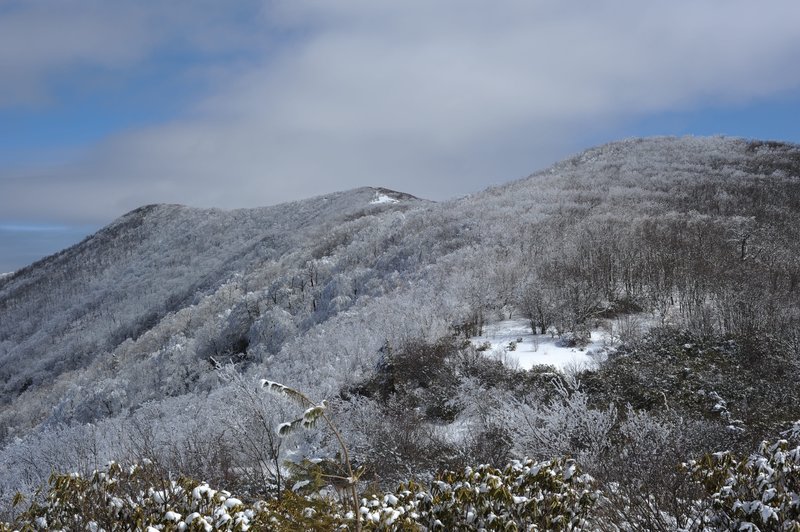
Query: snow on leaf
point(232, 502)
point(300, 484)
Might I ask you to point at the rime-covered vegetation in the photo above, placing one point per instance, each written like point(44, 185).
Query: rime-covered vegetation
point(146, 343)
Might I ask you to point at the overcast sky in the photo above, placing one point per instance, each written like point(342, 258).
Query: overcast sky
point(105, 106)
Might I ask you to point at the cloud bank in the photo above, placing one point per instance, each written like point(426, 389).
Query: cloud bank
point(436, 99)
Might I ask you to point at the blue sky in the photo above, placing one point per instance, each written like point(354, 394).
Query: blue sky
point(107, 106)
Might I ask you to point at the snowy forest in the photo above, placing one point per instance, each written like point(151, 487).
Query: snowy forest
point(612, 343)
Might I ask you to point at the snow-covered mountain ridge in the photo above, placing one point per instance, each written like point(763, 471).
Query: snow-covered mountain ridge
point(154, 260)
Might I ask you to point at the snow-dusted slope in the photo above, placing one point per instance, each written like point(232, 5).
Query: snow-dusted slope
point(62, 312)
point(700, 232)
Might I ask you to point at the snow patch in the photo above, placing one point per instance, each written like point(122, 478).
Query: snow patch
point(383, 198)
point(512, 342)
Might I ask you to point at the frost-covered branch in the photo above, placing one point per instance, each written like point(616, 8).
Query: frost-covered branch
point(312, 414)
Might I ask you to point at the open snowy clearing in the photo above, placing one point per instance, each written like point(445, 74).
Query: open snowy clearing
point(504, 337)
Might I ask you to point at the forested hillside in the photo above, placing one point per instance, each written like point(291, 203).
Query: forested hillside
point(148, 340)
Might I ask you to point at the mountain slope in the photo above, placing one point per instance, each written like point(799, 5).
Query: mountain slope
point(61, 313)
point(369, 298)
point(65, 310)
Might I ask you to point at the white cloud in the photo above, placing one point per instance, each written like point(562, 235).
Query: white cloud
point(43, 41)
point(433, 98)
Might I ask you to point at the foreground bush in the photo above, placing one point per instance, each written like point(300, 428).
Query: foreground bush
point(139, 497)
point(522, 496)
point(757, 493)
point(761, 492)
